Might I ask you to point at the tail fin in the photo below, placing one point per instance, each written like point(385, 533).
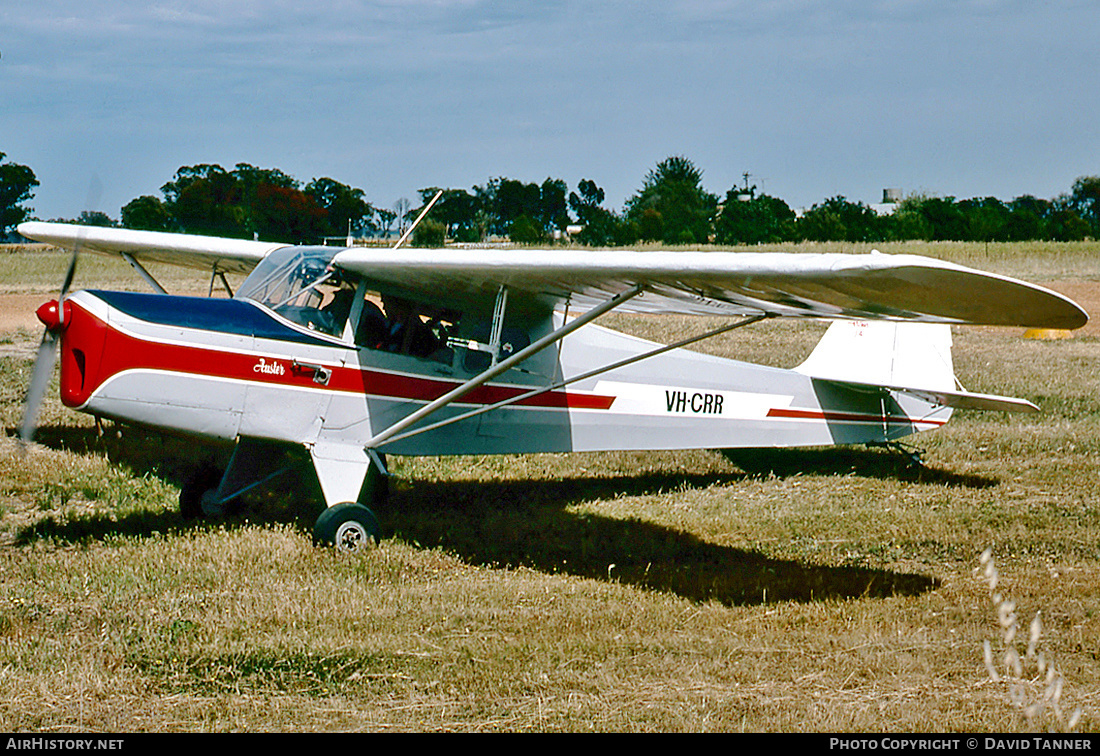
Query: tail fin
point(911, 358)
point(885, 353)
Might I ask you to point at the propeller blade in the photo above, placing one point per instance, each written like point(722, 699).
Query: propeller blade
point(47, 350)
point(40, 379)
point(69, 274)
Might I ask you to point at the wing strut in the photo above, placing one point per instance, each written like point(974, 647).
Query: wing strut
point(504, 365)
point(143, 272)
point(583, 376)
point(215, 275)
point(419, 218)
point(498, 323)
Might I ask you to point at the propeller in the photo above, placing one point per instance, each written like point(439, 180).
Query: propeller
point(47, 349)
point(47, 356)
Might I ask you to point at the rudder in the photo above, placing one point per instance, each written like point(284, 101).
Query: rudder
point(887, 353)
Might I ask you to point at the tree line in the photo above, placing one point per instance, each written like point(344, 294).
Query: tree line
point(671, 206)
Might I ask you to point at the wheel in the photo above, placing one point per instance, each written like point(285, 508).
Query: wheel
point(203, 480)
point(350, 527)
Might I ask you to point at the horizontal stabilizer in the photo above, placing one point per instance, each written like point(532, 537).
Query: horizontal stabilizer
point(956, 399)
point(907, 358)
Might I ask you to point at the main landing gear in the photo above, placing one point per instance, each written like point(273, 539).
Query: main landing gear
point(349, 526)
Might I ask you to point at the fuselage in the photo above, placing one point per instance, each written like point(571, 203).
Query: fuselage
point(224, 369)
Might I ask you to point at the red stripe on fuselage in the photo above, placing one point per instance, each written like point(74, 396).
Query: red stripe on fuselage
point(122, 352)
point(844, 417)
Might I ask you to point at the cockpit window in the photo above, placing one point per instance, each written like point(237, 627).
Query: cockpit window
point(299, 284)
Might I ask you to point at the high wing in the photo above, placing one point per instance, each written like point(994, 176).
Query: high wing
point(867, 286)
point(209, 253)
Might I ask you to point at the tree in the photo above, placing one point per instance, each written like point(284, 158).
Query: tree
point(525, 231)
point(276, 209)
point(515, 199)
point(946, 221)
point(17, 184)
point(986, 219)
point(1085, 199)
point(1027, 218)
point(672, 204)
point(650, 224)
point(553, 210)
point(250, 178)
point(206, 199)
point(95, 218)
point(386, 220)
point(838, 219)
point(187, 175)
point(146, 213)
point(286, 214)
point(430, 233)
point(503, 201)
point(260, 202)
point(1064, 222)
point(401, 211)
point(908, 222)
point(458, 211)
point(600, 226)
point(346, 209)
point(590, 196)
point(747, 219)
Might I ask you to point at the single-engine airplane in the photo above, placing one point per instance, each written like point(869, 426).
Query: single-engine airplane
point(349, 354)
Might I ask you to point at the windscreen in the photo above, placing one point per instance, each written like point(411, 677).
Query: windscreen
point(297, 283)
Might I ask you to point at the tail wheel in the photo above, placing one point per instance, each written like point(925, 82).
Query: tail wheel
point(350, 527)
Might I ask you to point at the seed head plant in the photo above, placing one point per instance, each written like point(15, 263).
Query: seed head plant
point(1034, 682)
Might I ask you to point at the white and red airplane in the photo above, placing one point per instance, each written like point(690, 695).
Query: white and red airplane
point(354, 353)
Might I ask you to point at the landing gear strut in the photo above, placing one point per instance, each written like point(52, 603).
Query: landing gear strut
point(351, 526)
point(911, 455)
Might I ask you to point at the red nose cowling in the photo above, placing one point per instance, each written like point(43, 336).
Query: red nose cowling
point(82, 349)
point(50, 317)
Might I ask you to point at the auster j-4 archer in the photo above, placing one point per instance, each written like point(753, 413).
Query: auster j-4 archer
point(351, 354)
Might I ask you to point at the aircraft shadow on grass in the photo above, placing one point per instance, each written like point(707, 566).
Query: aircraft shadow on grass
point(861, 461)
point(527, 523)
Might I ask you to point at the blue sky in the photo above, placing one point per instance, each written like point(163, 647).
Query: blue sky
point(957, 98)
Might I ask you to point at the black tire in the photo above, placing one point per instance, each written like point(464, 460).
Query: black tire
point(205, 478)
point(350, 527)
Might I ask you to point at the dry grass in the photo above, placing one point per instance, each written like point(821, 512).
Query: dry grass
point(679, 591)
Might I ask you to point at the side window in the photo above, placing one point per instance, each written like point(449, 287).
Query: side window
point(334, 308)
point(323, 308)
point(479, 356)
point(402, 326)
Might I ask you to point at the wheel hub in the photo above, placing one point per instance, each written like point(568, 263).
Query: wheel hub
point(351, 537)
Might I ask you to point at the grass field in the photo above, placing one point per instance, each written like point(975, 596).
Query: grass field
point(819, 590)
